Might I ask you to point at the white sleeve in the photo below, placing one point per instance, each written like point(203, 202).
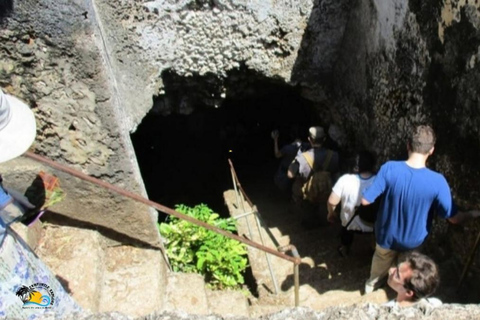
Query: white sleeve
point(339, 187)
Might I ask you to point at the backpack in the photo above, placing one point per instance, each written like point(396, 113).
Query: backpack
point(368, 214)
point(318, 185)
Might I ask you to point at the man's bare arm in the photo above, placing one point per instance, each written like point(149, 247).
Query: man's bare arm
point(276, 151)
point(332, 203)
point(365, 202)
point(463, 216)
point(292, 169)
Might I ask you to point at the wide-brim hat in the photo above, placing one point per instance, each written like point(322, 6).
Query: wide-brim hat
point(17, 127)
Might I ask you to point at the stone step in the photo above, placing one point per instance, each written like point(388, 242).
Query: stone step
point(257, 311)
point(185, 292)
point(133, 281)
point(31, 234)
point(312, 297)
point(77, 255)
point(257, 258)
point(227, 303)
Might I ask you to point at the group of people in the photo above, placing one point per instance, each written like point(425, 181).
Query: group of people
point(404, 197)
point(299, 161)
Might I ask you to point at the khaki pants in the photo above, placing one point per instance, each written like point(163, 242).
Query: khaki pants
point(382, 260)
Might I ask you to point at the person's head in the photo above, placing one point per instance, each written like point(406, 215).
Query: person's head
point(422, 140)
point(414, 277)
point(364, 162)
point(316, 136)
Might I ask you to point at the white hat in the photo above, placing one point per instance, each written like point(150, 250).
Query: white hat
point(17, 127)
point(316, 132)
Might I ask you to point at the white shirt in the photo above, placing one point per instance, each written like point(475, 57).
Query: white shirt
point(431, 302)
point(349, 189)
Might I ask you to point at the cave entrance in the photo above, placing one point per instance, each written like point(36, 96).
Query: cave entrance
point(197, 123)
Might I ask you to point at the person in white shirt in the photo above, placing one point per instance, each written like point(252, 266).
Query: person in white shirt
point(348, 191)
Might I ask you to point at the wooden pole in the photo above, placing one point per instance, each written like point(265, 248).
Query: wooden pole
point(470, 261)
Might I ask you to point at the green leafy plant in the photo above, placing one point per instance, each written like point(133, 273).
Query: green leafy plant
point(192, 248)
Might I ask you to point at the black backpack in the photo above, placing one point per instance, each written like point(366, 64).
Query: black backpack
point(367, 213)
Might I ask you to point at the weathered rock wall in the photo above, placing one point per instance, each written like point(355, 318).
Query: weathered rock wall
point(49, 57)
point(290, 41)
point(402, 63)
point(199, 38)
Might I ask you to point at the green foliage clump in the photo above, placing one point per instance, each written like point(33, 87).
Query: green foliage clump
point(192, 248)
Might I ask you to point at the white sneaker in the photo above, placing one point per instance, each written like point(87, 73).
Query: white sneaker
point(369, 289)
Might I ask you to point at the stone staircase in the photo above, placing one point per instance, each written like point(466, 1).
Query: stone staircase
point(186, 292)
point(102, 277)
point(99, 277)
point(326, 278)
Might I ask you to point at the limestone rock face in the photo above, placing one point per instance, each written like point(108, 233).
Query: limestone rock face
point(195, 38)
point(50, 59)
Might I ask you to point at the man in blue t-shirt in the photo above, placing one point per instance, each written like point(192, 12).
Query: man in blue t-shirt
point(411, 195)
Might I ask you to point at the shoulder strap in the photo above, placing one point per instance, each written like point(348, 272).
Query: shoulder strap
point(353, 217)
point(328, 157)
point(326, 162)
point(309, 159)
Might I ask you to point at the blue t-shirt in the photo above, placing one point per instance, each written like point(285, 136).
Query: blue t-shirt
point(410, 198)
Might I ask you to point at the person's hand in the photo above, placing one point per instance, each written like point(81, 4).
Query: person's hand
point(331, 218)
point(463, 216)
point(474, 214)
point(275, 134)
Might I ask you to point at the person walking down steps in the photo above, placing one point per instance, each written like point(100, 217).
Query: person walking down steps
point(313, 172)
point(348, 191)
point(286, 154)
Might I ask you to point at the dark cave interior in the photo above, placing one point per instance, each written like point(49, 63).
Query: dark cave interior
point(183, 158)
